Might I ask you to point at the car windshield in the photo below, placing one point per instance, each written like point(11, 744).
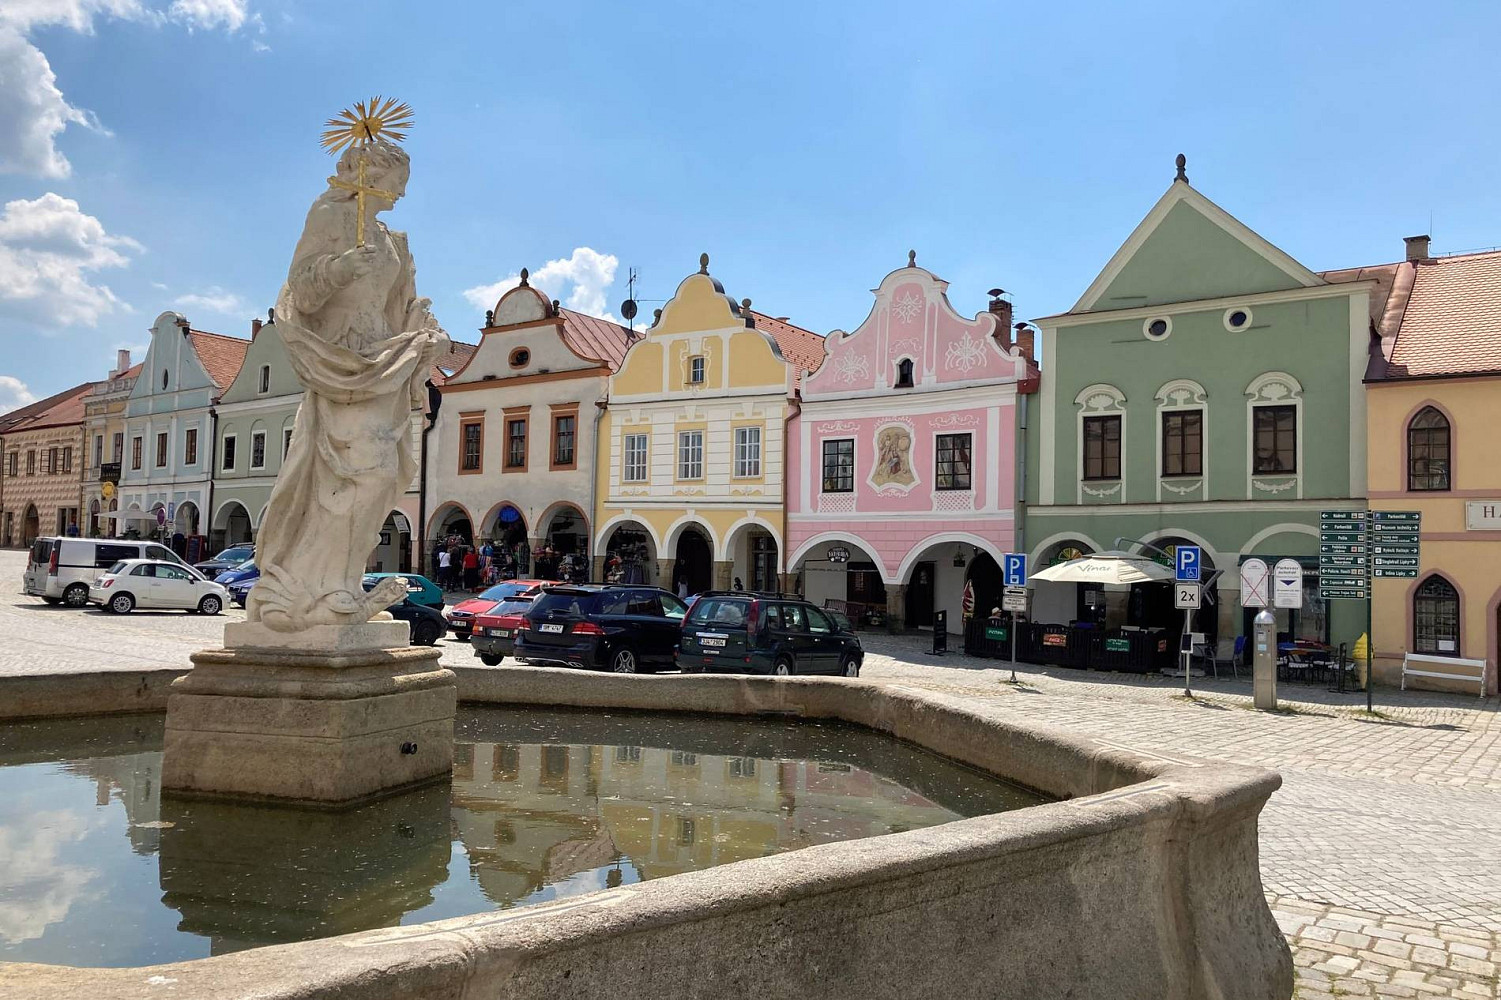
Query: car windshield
point(718, 611)
point(501, 591)
point(575, 604)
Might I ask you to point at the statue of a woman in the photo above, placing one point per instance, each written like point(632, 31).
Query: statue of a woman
point(361, 342)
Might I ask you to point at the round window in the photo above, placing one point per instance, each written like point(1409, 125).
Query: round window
point(1157, 328)
point(520, 357)
point(1237, 318)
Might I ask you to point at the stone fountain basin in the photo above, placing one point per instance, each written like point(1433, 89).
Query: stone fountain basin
point(1140, 881)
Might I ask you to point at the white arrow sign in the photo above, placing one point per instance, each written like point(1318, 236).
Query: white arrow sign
point(1287, 584)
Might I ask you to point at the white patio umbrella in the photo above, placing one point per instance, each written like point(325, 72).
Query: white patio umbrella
point(1107, 567)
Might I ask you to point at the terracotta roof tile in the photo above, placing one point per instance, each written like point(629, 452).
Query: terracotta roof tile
point(596, 338)
point(803, 349)
point(221, 356)
point(61, 408)
point(457, 357)
point(1452, 321)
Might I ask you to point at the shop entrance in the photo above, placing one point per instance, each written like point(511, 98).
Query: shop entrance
point(920, 593)
point(693, 567)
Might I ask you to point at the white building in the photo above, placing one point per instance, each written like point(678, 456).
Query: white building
point(169, 428)
point(511, 457)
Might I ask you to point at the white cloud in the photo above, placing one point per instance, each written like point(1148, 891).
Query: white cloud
point(33, 110)
point(585, 275)
point(14, 393)
point(48, 249)
point(213, 299)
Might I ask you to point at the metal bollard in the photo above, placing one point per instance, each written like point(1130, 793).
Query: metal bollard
point(1264, 660)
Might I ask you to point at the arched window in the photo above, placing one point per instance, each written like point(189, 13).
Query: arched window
point(1428, 451)
point(904, 373)
point(1435, 617)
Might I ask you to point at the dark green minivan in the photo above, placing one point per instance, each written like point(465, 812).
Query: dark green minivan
point(733, 632)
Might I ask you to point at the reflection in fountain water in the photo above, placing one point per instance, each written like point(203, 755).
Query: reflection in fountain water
point(542, 805)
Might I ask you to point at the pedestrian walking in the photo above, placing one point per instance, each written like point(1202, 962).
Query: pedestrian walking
point(471, 569)
point(445, 563)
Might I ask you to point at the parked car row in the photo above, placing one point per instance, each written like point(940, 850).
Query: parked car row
point(631, 629)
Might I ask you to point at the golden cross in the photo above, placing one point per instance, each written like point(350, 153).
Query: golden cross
point(360, 189)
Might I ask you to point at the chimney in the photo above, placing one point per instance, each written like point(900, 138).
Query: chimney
point(122, 363)
point(255, 327)
point(1417, 247)
point(1026, 341)
point(1001, 309)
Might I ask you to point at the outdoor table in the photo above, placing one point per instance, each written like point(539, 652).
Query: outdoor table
point(1305, 657)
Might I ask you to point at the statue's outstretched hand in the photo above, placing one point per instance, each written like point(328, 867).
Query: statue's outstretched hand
point(353, 264)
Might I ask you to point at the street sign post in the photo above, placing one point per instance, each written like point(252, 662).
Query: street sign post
point(1188, 569)
point(1188, 562)
point(1255, 584)
point(1014, 597)
point(1186, 596)
point(1014, 569)
point(1287, 584)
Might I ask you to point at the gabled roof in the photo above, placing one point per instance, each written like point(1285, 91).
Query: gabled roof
point(1449, 322)
point(802, 349)
point(595, 338)
point(59, 409)
point(1180, 192)
point(220, 356)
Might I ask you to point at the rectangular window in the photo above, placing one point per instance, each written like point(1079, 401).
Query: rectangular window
point(564, 427)
point(953, 465)
point(635, 458)
point(1183, 443)
point(98, 449)
point(1102, 447)
point(135, 453)
point(161, 450)
point(472, 444)
point(747, 452)
point(691, 455)
point(31, 463)
point(1276, 439)
point(118, 449)
point(190, 447)
point(696, 370)
point(839, 465)
point(229, 452)
point(265, 378)
point(15, 463)
point(257, 449)
point(516, 443)
point(68, 459)
point(286, 441)
point(52, 467)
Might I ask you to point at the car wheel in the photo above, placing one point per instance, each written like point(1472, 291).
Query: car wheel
point(783, 668)
point(425, 634)
point(623, 660)
point(490, 659)
point(210, 605)
point(76, 596)
point(851, 667)
point(121, 604)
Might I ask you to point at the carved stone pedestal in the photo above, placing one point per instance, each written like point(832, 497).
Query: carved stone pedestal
point(320, 728)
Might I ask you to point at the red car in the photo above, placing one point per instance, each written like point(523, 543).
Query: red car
point(461, 615)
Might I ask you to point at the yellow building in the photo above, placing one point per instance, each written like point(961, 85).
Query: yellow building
point(689, 472)
point(1433, 396)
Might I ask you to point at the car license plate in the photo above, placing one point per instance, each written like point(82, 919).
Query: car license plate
point(555, 629)
point(501, 633)
point(709, 640)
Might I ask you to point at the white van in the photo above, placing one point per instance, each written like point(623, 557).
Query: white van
point(59, 569)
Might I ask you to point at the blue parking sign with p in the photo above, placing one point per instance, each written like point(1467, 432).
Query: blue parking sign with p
point(1188, 560)
point(1014, 569)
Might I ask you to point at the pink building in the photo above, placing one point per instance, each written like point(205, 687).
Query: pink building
point(902, 467)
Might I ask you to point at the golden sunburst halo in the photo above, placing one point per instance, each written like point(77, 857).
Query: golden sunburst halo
point(379, 119)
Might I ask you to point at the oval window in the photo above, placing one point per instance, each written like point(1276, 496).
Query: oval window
point(1157, 328)
point(1237, 318)
point(520, 357)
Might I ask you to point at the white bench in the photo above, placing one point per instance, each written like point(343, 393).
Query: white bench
point(1418, 664)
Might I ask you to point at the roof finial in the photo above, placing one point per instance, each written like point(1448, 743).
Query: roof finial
point(1182, 162)
point(556, 308)
point(703, 263)
point(911, 258)
point(524, 275)
point(745, 310)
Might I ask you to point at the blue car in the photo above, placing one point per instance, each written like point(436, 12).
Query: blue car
point(420, 590)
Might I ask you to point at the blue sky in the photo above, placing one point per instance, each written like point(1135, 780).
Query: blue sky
point(805, 147)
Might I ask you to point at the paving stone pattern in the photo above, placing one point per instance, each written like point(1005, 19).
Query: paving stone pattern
point(1387, 829)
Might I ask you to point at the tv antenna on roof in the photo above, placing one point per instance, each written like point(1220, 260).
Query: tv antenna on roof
point(628, 308)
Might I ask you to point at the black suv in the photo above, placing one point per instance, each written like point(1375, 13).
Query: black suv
point(601, 626)
point(740, 633)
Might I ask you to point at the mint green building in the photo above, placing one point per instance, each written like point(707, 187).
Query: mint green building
point(1205, 389)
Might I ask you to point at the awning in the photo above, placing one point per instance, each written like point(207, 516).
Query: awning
point(1107, 567)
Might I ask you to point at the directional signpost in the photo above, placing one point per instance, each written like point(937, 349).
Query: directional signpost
point(1188, 572)
point(1394, 543)
point(1014, 600)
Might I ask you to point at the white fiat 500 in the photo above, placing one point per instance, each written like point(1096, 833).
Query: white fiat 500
point(152, 583)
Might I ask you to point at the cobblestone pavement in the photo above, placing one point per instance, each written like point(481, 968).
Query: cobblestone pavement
point(1385, 836)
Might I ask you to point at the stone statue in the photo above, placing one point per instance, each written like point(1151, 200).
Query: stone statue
point(362, 343)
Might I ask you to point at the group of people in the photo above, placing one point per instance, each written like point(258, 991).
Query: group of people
point(459, 565)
